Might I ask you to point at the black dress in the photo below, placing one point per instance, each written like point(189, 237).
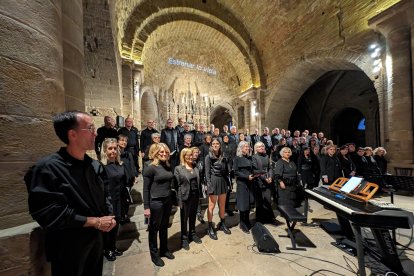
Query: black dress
point(347, 166)
point(242, 166)
point(116, 183)
point(382, 163)
point(286, 172)
point(216, 172)
point(264, 190)
point(330, 168)
point(306, 171)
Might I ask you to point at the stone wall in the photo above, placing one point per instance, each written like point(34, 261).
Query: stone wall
point(102, 84)
point(32, 91)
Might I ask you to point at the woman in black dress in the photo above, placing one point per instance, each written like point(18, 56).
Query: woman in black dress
point(263, 184)
point(347, 166)
point(216, 172)
point(158, 182)
point(243, 170)
point(372, 166)
point(305, 169)
point(330, 165)
point(188, 180)
point(285, 174)
point(110, 158)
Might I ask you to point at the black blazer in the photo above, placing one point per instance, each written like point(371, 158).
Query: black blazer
point(184, 185)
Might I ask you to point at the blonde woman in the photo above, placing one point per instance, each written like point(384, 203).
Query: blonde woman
point(158, 182)
point(264, 184)
point(286, 176)
point(188, 179)
point(330, 165)
point(110, 158)
point(243, 170)
point(379, 156)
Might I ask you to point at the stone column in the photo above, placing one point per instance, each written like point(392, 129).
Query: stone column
point(128, 92)
point(395, 25)
point(72, 42)
point(251, 109)
point(32, 91)
point(138, 79)
point(247, 113)
point(31, 88)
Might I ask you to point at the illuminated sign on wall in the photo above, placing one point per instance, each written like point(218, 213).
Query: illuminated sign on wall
point(177, 62)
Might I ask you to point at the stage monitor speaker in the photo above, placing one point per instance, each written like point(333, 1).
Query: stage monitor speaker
point(120, 122)
point(263, 239)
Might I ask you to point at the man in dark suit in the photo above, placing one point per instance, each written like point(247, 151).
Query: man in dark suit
point(133, 141)
point(145, 138)
point(267, 141)
point(106, 131)
point(169, 136)
point(67, 197)
point(254, 138)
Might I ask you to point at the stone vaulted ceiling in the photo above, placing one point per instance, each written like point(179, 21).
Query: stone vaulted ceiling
point(249, 43)
point(151, 32)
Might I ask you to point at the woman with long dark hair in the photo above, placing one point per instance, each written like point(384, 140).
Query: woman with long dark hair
point(158, 183)
point(347, 165)
point(188, 180)
point(216, 172)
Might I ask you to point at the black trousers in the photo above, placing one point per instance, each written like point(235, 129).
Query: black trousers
point(264, 211)
point(188, 214)
point(110, 238)
point(158, 222)
point(82, 256)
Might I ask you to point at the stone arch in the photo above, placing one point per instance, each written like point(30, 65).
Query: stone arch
point(149, 107)
point(222, 114)
point(302, 75)
point(148, 15)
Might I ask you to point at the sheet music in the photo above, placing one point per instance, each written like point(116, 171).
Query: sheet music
point(351, 184)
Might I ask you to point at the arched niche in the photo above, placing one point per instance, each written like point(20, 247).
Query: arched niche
point(328, 97)
point(222, 115)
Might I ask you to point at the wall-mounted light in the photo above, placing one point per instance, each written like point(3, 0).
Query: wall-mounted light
point(375, 53)
point(94, 112)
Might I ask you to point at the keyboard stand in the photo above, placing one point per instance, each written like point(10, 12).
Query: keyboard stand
point(360, 249)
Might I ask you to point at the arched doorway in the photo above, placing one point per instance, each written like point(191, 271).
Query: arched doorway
point(348, 126)
point(321, 106)
point(149, 110)
point(221, 116)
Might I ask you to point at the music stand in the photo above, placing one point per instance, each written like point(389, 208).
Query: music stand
point(395, 183)
point(399, 182)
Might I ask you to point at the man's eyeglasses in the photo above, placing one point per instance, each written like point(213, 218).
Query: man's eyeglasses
point(91, 129)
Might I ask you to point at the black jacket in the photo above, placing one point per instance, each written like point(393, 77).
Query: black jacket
point(63, 192)
point(146, 139)
point(183, 182)
point(169, 136)
point(330, 168)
